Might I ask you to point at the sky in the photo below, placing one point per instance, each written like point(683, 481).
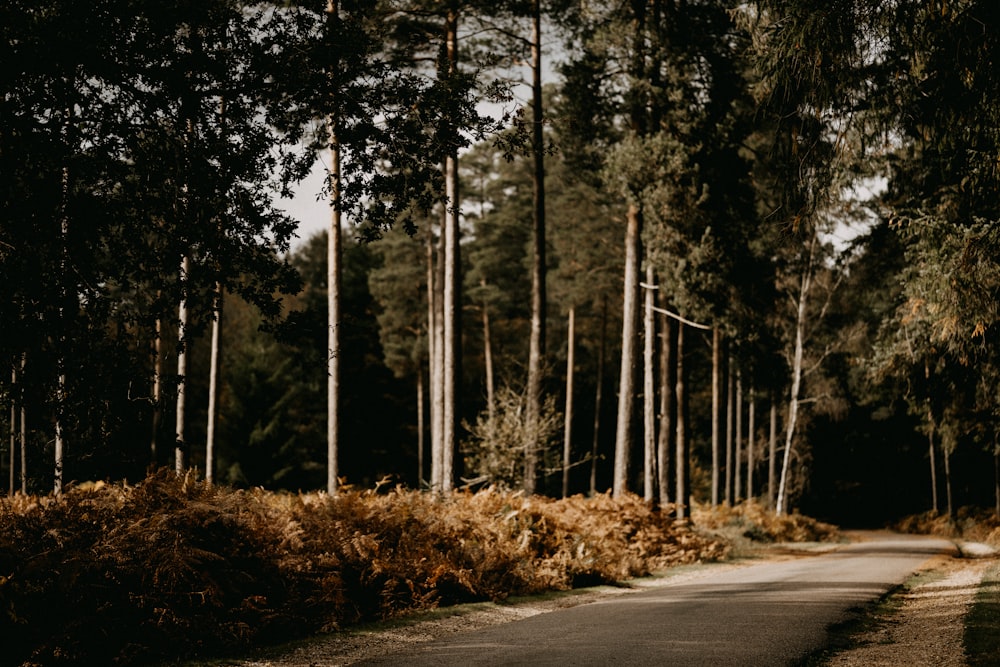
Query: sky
point(312, 214)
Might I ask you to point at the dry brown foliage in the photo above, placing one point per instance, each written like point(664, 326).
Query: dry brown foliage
point(172, 567)
point(970, 523)
point(753, 521)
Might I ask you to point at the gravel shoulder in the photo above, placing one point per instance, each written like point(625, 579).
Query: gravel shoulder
point(921, 625)
point(924, 624)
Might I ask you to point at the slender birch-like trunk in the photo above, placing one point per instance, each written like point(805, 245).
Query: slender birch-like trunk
point(451, 285)
point(794, 394)
point(60, 441)
point(180, 443)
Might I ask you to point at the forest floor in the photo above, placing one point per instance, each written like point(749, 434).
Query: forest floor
point(921, 624)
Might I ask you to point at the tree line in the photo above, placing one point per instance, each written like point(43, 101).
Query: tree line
point(629, 278)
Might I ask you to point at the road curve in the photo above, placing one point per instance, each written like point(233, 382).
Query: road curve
point(773, 613)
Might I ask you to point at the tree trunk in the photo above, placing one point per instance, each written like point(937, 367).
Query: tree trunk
point(334, 274)
point(649, 389)
point(24, 428)
point(668, 371)
point(13, 425)
point(630, 327)
point(682, 496)
point(568, 423)
point(793, 398)
point(772, 453)
point(751, 436)
point(716, 411)
point(491, 407)
point(157, 389)
point(738, 443)
point(180, 443)
point(730, 398)
point(420, 427)
point(60, 444)
point(595, 443)
point(213, 387)
point(947, 482)
point(452, 284)
point(536, 354)
point(435, 343)
point(932, 455)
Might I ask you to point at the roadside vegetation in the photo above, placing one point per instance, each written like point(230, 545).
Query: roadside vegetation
point(172, 567)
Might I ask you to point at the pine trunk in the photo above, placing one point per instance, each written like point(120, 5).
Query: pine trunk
point(491, 407)
point(649, 389)
point(24, 427)
point(595, 443)
point(947, 482)
point(13, 426)
point(334, 261)
point(435, 341)
point(772, 453)
point(213, 387)
point(932, 455)
point(568, 418)
point(536, 354)
point(751, 436)
point(668, 407)
point(157, 390)
point(730, 398)
point(629, 360)
point(420, 427)
point(716, 411)
point(451, 286)
point(682, 462)
point(738, 443)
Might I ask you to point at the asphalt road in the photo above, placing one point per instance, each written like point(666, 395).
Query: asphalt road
point(773, 613)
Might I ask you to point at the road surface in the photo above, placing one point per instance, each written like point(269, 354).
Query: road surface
point(773, 613)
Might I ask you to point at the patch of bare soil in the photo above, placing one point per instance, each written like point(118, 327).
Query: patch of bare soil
point(927, 626)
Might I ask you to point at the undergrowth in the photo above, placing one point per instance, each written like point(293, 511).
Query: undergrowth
point(173, 568)
point(969, 523)
point(752, 521)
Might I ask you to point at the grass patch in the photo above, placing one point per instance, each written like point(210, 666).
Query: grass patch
point(982, 623)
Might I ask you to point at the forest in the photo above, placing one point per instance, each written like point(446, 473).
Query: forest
point(701, 251)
